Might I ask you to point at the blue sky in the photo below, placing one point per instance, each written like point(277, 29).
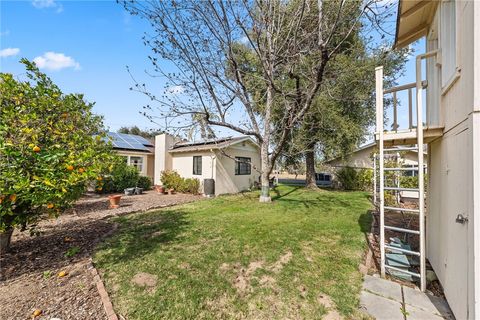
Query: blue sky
point(91, 41)
point(85, 46)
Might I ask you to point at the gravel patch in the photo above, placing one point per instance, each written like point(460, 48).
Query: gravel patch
point(29, 273)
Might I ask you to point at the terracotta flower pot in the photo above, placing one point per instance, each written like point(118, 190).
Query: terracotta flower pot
point(160, 189)
point(114, 201)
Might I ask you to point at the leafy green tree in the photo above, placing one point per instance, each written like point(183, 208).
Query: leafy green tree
point(148, 134)
point(51, 145)
point(344, 109)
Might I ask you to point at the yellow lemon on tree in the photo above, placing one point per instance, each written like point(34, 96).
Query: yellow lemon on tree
point(36, 149)
point(81, 170)
point(69, 167)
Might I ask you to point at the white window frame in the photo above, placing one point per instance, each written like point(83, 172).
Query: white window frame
point(448, 43)
point(143, 169)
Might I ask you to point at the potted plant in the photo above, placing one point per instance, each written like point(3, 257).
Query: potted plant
point(160, 189)
point(114, 201)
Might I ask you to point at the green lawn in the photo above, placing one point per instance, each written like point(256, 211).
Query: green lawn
point(232, 257)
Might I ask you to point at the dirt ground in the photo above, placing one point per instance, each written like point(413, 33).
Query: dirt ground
point(29, 273)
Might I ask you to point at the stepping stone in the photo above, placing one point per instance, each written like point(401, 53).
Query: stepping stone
point(419, 314)
point(426, 302)
point(382, 287)
point(380, 308)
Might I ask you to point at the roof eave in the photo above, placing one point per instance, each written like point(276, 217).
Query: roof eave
point(421, 24)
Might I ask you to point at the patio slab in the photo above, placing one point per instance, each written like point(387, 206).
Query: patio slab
point(382, 287)
point(387, 300)
point(427, 302)
point(381, 308)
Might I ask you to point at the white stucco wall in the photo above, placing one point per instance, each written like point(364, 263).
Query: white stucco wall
point(453, 248)
point(226, 181)
point(182, 162)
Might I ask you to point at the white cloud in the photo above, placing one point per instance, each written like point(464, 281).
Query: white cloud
point(175, 90)
point(42, 4)
point(56, 61)
point(8, 52)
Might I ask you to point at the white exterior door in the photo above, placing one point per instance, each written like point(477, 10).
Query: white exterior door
point(456, 257)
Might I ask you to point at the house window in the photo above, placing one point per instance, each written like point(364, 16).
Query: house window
point(137, 162)
point(448, 34)
point(411, 173)
point(242, 166)
point(197, 165)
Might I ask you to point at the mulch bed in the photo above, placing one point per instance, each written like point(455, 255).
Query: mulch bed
point(409, 221)
point(29, 272)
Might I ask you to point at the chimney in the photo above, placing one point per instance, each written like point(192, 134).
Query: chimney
point(163, 159)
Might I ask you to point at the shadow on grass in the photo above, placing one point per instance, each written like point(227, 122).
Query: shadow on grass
point(143, 235)
point(365, 221)
point(279, 195)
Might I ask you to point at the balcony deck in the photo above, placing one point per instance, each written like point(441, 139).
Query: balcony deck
point(409, 137)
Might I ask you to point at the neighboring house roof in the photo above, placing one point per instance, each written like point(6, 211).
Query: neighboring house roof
point(130, 142)
point(206, 145)
point(413, 19)
point(369, 145)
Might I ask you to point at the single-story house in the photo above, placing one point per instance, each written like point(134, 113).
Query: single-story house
point(138, 151)
point(362, 158)
point(234, 162)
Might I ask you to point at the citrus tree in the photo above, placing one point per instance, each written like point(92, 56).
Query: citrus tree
point(51, 146)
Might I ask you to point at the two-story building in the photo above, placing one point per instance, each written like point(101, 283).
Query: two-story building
point(444, 113)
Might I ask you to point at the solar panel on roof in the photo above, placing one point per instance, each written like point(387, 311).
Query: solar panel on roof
point(126, 141)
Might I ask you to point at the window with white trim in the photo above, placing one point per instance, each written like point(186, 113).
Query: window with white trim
point(448, 35)
point(137, 162)
point(197, 165)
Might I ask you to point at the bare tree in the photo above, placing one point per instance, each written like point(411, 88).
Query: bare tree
point(206, 44)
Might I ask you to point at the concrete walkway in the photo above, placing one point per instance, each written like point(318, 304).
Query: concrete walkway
point(388, 300)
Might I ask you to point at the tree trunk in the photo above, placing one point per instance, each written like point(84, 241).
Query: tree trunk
point(311, 181)
point(265, 181)
point(5, 238)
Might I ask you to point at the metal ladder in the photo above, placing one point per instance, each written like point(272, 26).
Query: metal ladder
point(420, 169)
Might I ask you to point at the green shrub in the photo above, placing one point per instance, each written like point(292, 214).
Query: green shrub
point(365, 179)
point(172, 180)
point(348, 178)
point(144, 182)
point(190, 185)
point(409, 182)
point(122, 176)
point(355, 179)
